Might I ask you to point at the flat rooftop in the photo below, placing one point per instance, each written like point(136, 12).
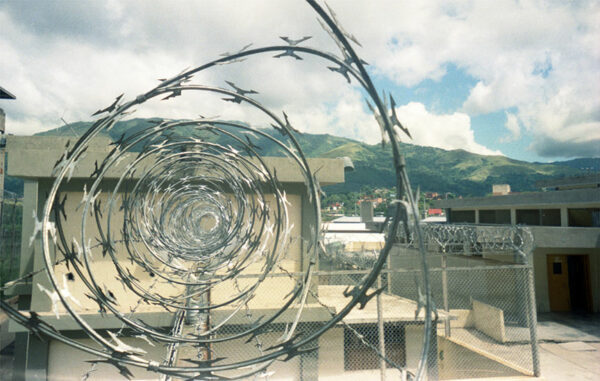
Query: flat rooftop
point(34, 157)
point(396, 309)
point(587, 196)
point(587, 181)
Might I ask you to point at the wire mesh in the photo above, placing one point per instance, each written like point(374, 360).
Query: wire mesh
point(481, 326)
point(11, 210)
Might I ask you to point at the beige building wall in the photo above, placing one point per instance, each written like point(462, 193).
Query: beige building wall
point(272, 290)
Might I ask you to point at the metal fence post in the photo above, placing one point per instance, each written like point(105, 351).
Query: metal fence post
point(381, 330)
point(432, 355)
point(447, 332)
point(532, 317)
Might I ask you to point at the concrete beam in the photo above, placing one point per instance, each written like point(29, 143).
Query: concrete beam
point(533, 200)
point(569, 237)
point(34, 157)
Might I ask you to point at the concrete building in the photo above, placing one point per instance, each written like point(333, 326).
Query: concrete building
point(565, 221)
point(32, 159)
point(341, 353)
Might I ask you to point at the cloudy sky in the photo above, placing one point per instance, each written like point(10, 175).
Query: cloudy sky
point(517, 78)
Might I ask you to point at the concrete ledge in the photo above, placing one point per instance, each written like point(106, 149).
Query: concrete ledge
point(527, 200)
point(35, 156)
point(310, 313)
point(572, 237)
point(490, 356)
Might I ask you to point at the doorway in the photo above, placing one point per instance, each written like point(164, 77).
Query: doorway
point(569, 286)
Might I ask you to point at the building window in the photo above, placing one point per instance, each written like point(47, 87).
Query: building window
point(543, 217)
point(462, 216)
point(585, 217)
point(494, 216)
point(550, 217)
point(358, 356)
point(528, 216)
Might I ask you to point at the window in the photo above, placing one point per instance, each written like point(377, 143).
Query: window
point(557, 268)
point(358, 356)
point(544, 217)
point(464, 216)
point(494, 216)
point(585, 217)
point(550, 217)
point(528, 216)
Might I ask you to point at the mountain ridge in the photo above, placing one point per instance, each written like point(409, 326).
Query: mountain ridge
point(433, 169)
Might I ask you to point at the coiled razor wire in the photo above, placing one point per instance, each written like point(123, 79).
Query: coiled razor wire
point(199, 211)
point(469, 239)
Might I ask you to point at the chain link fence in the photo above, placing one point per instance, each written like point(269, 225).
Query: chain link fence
point(484, 321)
point(481, 283)
point(11, 210)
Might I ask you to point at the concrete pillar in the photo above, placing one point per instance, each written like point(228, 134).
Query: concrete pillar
point(366, 211)
point(476, 216)
point(564, 216)
point(37, 359)
point(513, 216)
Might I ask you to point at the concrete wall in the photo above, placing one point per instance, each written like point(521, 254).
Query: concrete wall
point(460, 361)
point(271, 292)
point(489, 320)
point(32, 158)
point(69, 364)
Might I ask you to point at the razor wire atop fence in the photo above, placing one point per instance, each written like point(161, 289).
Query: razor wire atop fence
point(469, 239)
point(186, 223)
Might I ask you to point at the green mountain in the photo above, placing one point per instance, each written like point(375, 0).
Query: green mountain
point(587, 164)
point(457, 171)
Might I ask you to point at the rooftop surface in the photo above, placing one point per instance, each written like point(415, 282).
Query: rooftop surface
point(573, 196)
point(589, 180)
point(35, 156)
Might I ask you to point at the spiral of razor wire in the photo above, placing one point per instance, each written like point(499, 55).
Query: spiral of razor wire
point(169, 220)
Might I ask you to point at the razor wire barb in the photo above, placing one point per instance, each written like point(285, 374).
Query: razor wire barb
point(198, 211)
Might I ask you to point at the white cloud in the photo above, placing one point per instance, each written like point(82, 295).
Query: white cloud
point(537, 58)
point(524, 55)
point(346, 117)
point(513, 127)
point(446, 131)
